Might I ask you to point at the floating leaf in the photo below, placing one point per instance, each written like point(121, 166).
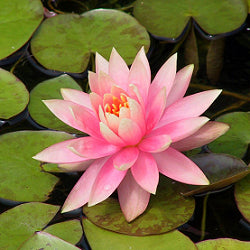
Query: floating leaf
point(65, 42)
point(45, 241)
point(19, 223)
point(50, 89)
point(21, 177)
point(221, 170)
point(14, 96)
point(242, 197)
point(223, 243)
point(100, 239)
point(168, 19)
point(166, 211)
point(236, 140)
point(18, 21)
point(70, 231)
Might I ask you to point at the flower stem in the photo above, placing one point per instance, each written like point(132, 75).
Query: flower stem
point(203, 220)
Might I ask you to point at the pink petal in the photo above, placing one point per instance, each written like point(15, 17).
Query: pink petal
point(125, 158)
point(118, 69)
point(105, 83)
point(117, 91)
point(206, 134)
point(177, 166)
point(133, 199)
point(76, 96)
point(155, 144)
point(129, 131)
point(75, 116)
point(189, 106)
point(101, 64)
point(145, 172)
point(112, 121)
point(59, 153)
point(76, 166)
point(180, 84)
point(110, 136)
point(93, 82)
point(92, 148)
point(135, 94)
point(102, 116)
point(124, 113)
point(106, 182)
point(80, 193)
point(96, 101)
point(155, 109)
point(179, 130)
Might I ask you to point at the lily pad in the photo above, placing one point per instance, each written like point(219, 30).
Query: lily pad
point(242, 197)
point(50, 89)
point(18, 20)
point(14, 96)
point(166, 211)
point(100, 239)
point(221, 170)
point(236, 140)
point(70, 231)
point(46, 241)
point(223, 243)
point(21, 177)
point(65, 42)
point(19, 223)
point(168, 19)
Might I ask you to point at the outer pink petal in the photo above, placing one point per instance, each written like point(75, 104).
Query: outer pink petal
point(177, 166)
point(133, 199)
point(208, 133)
point(106, 182)
point(189, 106)
point(76, 96)
point(92, 148)
point(96, 101)
point(135, 94)
point(118, 69)
point(76, 166)
point(75, 116)
point(105, 83)
point(180, 85)
point(101, 64)
point(110, 136)
point(181, 129)
point(79, 195)
point(129, 131)
point(59, 153)
point(93, 82)
point(155, 144)
point(145, 172)
point(125, 158)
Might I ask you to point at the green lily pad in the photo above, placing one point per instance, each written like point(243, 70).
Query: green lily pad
point(223, 243)
point(65, 42)
point(166, 211)
point(168, 19)
point(19, 223)
point(46, 241)
point(50, 89)
point(236, 140)
point(100, 239)
point(70, 231)
point(18, 20)
point(242, 197)
point(14, 96)
point(221, 170)
point(21, 177)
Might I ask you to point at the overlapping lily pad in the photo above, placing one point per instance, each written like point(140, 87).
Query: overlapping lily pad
point(100, 239)
point(21, 177)
point(242, 197)
point(221, 170)
point(14, 96)
point(236, 140)
point(50, 89)
point(18, 20)
point(65, 42)
point(223, 243)
point(169, 19)
point(166, 211)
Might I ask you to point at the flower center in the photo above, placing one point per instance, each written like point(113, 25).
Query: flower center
point(116, 105)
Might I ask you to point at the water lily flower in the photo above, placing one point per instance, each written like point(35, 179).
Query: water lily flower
point(136, 131)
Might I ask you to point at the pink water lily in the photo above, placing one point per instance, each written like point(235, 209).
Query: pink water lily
point(136, 131)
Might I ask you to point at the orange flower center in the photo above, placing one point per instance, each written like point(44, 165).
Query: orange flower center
point(116, 105)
